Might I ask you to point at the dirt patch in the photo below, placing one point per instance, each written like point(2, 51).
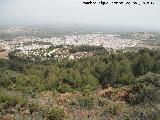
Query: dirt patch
point(4, 54)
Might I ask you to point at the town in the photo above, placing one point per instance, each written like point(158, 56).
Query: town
point(28, 46)
point(58, 46)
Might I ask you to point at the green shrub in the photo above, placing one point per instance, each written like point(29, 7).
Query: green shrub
point(55, 114)
point(147, 89)
point(3, 98)
point(86, 102)
point(64, 88)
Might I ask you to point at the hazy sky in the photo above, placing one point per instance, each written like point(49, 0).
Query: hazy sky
point(74, 11)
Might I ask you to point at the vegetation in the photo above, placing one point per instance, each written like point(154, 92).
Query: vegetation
point(113, 85)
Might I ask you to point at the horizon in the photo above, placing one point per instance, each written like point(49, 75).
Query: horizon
point(84, 26)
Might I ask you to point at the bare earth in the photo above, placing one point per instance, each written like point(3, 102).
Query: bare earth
point(4, 54)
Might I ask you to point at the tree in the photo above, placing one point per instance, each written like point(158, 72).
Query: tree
point(142, 64)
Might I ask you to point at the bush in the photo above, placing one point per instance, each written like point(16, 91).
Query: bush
point(3, 98)
point(64, 88)
point(146, 112)
point(55, 114)
point(86, 102)
point(147, 89)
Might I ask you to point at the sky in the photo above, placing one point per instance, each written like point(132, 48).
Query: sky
point(74, 11)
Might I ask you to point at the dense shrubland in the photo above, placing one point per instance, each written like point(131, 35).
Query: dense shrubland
point(116, 85)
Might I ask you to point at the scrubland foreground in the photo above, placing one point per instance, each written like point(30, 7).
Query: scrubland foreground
point(107, 86)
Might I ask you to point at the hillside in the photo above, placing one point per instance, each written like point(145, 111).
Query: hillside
point(104, 86)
